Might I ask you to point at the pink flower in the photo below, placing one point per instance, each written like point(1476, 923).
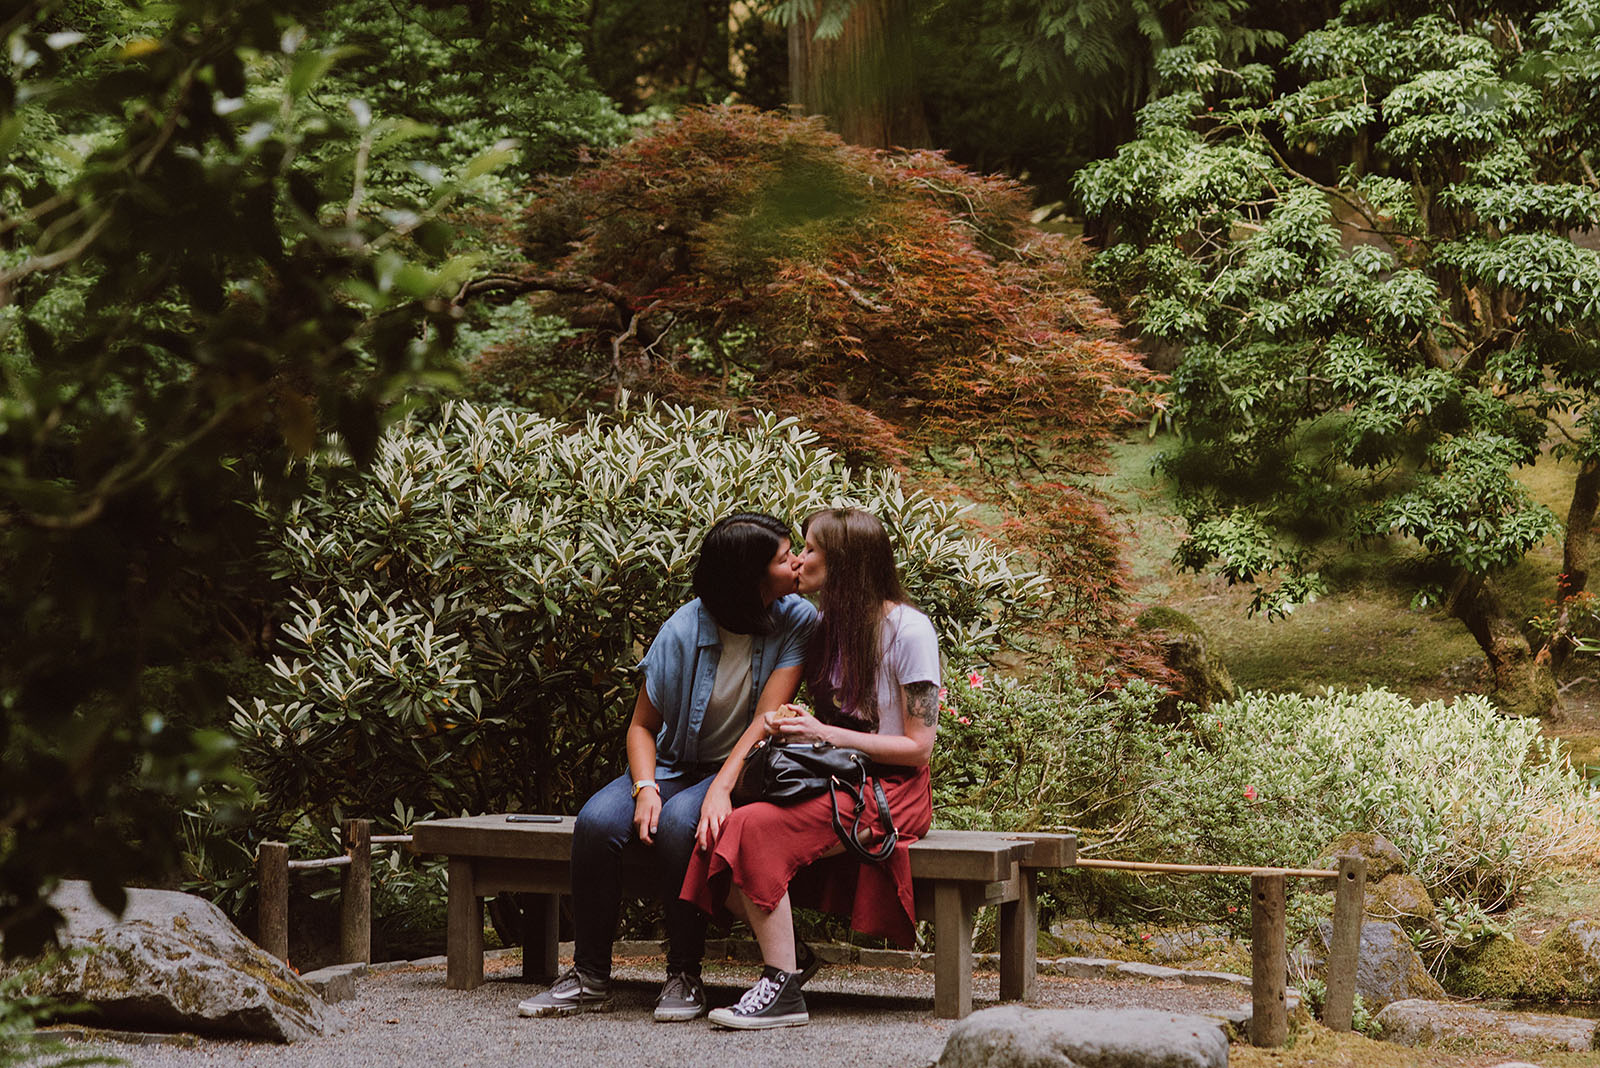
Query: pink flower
point(943, 694)
point(964, 720)
point(1233, 908)
point(975, 681)
point(1249, 793)
point(1144, 937)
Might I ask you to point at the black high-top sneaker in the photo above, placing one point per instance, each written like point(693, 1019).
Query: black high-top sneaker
point(775, 1001)
point(806, 962)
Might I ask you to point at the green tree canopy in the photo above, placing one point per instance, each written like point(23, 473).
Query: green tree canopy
point(1367, 257)
point(198, 279)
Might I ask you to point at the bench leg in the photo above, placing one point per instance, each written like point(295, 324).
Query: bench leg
point(463, 929)
point(952, 953)
point(1019, 941)
point(541, 934)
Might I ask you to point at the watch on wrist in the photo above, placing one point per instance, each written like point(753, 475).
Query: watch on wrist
point(644, 784)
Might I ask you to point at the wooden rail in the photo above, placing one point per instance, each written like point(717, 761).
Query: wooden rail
point(1207, 869)
point(1269, 1021)
point(1269, 965)
point(355, 891)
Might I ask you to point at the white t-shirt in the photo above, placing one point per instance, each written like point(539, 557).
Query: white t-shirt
point(909, 652)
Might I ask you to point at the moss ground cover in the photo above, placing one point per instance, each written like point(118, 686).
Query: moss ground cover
point(1316, 1047)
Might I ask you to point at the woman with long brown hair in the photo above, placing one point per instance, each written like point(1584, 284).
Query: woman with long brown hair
point(873, 673)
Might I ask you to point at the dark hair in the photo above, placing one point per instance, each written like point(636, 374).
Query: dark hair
point(733, 560)
point(861, 575)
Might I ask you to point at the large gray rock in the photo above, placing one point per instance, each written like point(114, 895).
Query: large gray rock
point(1423, 1023)
point(1012, 1036)
point(174, 962)
point(1387, 969)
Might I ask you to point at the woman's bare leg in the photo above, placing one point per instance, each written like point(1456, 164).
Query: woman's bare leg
point(774, 930)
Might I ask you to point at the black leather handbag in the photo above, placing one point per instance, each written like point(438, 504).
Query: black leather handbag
point(785, 773)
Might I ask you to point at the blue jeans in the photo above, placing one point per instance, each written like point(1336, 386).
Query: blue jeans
point(603, 841)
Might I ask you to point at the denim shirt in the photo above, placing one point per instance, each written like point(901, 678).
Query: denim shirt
point(680, 668)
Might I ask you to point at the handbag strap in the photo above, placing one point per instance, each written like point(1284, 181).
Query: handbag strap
point(891, 836)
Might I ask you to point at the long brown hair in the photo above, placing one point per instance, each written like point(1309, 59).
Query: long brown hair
point(861, 576)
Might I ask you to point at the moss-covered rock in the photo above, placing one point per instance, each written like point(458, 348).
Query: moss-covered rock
point(1564, 966)
point(175, 962)
point(1401, 898)
point(1575, 949)
point(1388, 968)
point(1382, 856)
point(1202, 680)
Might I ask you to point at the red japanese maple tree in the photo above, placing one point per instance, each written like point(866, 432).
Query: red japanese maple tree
point(891, 300)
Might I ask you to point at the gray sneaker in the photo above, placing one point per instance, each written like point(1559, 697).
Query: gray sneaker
point(683, 997)
point(573, 992)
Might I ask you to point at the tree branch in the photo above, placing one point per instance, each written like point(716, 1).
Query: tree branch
point(563, 282)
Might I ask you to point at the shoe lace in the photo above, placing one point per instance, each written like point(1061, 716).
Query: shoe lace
point(679, 986)
point(568, 981)
point(759, 996)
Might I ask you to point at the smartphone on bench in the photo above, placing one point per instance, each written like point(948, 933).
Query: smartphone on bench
point(532, 817)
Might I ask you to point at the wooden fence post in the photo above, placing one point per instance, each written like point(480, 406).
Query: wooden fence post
point(1269, 968)
point(1344, 943)
point(272, 875)
point(355, 894)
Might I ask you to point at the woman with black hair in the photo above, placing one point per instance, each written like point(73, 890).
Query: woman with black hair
point(873, 671)
point(716, 667)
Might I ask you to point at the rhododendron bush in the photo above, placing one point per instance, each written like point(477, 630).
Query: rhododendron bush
point(467, 615)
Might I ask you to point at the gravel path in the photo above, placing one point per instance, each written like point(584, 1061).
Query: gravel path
point(860, 1017)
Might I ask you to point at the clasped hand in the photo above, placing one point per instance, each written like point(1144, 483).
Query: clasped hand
point(796, 723)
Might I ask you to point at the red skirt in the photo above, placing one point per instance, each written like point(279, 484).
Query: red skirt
point(767, 850)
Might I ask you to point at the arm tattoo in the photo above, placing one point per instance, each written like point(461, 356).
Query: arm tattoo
point(922, 701)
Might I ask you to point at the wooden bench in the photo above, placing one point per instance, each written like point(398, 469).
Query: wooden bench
point(954, 873)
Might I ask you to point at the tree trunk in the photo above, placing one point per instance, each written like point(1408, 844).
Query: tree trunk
point(1576, 551)
point(1524, 684)
point(864, 80)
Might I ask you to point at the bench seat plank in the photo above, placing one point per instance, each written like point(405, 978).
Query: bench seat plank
point(492, 836)
point(954, 874)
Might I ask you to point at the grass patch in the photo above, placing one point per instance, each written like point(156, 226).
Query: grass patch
point(1364, 633)
point(1552, 899)
point(1349, 640)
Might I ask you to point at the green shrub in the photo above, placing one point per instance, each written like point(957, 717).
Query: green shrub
point(1058, 753)
point(1476, 800)
point(466, 615)
point(1473, 798)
